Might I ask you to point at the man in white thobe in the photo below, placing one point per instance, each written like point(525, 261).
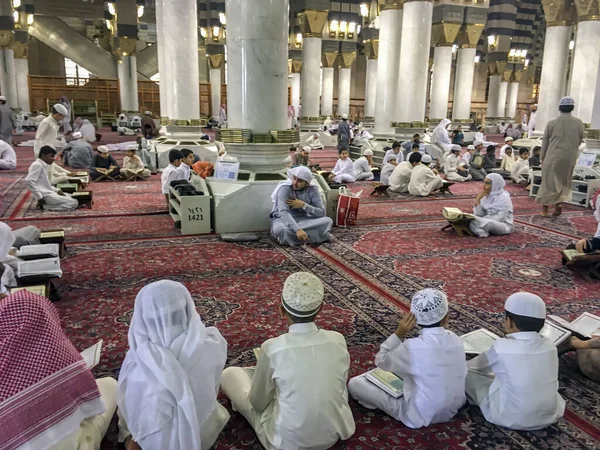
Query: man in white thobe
point(531, 123)
point(7, 121)
point(400, 177)
point(515, 382)
point(387, 170)
point(296, 396)
point(52, 199)
point(314, 142)
point(423, 180)
point(432, 366)
point(362, 166)
point(8, 157)
point(47, 132)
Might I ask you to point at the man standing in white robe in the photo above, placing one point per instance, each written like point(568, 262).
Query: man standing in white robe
point(296, 396)
point(432, 366)
point(47, 132)
point(52, 199)
point(531, 123)
point(362, 166)
point(400, 177)
point(423, 180)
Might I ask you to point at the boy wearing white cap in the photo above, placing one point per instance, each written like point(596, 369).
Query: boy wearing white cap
point(47, 131)
point(103, 164)
point(362, 166)
point(296, 396)
point(454, 166)
point(432, 366)
point(507, 143)
point(515, 382)
point(388, 169)
point(423, 180)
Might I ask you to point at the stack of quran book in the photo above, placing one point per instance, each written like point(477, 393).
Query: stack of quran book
point(235, 135)
point(69, 188)
point(29, 252)
point(40, 267)
point(54, 237)
point(262, 138)
point(285, 136)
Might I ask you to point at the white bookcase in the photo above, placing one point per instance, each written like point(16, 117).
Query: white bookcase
point(193, 211)
point(577, 198)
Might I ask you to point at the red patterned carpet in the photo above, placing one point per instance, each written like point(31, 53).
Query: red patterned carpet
point(370, 272)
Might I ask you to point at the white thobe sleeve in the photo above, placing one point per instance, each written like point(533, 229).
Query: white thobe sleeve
point(262, 391)
point(337, 169)
point(394, 356)
point(484, 362)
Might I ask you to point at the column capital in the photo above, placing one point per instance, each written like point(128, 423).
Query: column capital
point(496, 67)
point(516, 76)
point(469, 34)
point(329, 58)
point(347, 59)
point(587, 10)
point(19, 44)
point(559, 12)
point(443, 34)
point(296, 66)
point(371, 47)
point(390, 4)
point(312, 22)
point(215, 60)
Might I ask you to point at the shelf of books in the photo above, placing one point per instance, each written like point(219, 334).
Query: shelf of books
point(191, 211)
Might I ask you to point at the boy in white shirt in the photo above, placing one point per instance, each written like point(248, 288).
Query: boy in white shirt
point(432, 366)
point(171, 172)
point(186, 163)
point(515, 382)
point(296, 396)
point(362, 166)
point(521, 170)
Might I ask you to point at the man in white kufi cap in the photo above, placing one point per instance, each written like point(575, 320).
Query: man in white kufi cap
point(423, 180)
point(432, 366)
point(47, 132)
point(296, 396)
point(343, 133)
point(363, 165)
point(560, 150)
point(78, 153)
point(314, 142)
point(515, 382)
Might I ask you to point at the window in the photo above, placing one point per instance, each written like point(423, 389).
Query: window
point(76, 75)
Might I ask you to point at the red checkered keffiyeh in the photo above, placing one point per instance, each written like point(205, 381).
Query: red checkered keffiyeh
point(46, 390)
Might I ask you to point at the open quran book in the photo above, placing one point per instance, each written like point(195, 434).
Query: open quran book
point(456, 214)
point(570, 254)
point(585, 326)
point(38, 289)
point(28, 252)
point(386, 381)
point(37, 267)
point(91, 355)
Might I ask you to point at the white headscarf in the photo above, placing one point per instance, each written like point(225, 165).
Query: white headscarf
point(498, 198)
point(301, 172)
point(170, 375)
point(440, 134)
point(88, 131)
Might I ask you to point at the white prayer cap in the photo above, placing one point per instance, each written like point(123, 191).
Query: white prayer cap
point(148, 113)
point(472, 147)
point(508, 138)
point(2, 98)
point(429, 306)
point(302, 294)
point(426, 159)
point(368, 152)
point(344, 116)
point(567, 101)
point(102, 149)
point(77, 135)
point(526, 304)
point(61, 109)
point(476, 143)
point(307, 149)
point(456, 148)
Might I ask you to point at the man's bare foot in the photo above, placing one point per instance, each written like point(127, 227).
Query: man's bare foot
point(544, 212)
point(557, 210)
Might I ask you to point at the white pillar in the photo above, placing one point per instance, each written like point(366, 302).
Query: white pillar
point(511, 102)
point(554, 74)
point(180, 38)
point(327, 92)
point(296, 92)
point(344, 91)
point(440, 83)
point(164, 84)
point(257, 54)
point(8, 80)
point(463, 83)
point(414, 61)
point(310, 75)
point(586, 61)
point(493, 91)
point(390, 33)
point(22, 77)
point(128, 88)
point(371, 88)
point(501, 105)
point(215, 92)
point(595, 124)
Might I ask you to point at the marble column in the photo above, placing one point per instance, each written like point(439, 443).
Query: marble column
point(390, 33)
point(414, 61)
point(463, 83)
point(215, 92)
point(22, 80)
point(501, 103)
point(163, 55)
point(310, 76)
point(511, 101)
point(8, 80)
point(296, 92)
point(179, 32)
point(344, 83)
point(493, 96)
point(440, 83)
point(128, 87)
point(586, 61)
point(554, 74)
point(327, 92)
point(257, 54)
point(595, 124)
point(371, 88)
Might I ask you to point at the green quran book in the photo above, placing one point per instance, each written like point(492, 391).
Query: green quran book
point(386, 381)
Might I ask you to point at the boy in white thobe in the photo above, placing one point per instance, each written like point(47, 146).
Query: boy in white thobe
point(515, 382)
point(423, 180)
point(296, 396)
point(395, 152)
point(521, 170)
point(40, 187)
point(387, 170)
point(432, 366)
point(507, 143)
point(171, 173)
point(400, 177)
point(362, 166)
point(47, 131)
point(343, 172)
point(452, 166)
